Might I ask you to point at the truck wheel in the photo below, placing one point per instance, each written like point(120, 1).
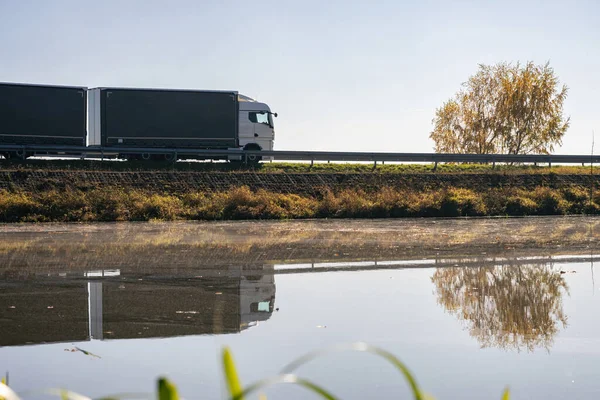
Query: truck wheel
point(169, 157)
point(252, 158)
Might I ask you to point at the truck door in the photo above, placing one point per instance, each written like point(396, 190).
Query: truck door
point(263, 128)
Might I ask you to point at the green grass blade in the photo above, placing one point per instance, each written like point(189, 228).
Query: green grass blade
point(284, 378)
point(316, 389)
point(506, 394)
point(166, 390)
point(402, 368)
point(418, 395)
point(231, 376)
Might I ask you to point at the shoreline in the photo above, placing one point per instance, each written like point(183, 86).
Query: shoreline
point(185, 247)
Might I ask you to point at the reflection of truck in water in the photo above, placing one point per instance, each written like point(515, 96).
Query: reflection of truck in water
point(257, 299)
point(163, 307)
point(110, 306)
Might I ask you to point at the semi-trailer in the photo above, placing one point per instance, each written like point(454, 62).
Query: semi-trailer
point(42, 115)
point(134, 118)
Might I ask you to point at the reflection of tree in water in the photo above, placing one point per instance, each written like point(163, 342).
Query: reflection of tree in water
point(506, 306)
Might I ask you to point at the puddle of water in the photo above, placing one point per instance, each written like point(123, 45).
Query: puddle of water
point(108, 318)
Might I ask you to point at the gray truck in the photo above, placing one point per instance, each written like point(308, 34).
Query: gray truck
point(134, 118)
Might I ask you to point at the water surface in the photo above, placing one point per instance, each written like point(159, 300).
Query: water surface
point(469, 315)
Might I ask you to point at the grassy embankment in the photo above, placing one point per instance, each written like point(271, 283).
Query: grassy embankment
point(242, 203)
point(127, 204)
point(166, 390)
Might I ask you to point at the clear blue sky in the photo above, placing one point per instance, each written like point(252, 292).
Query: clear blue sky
point(343, 75)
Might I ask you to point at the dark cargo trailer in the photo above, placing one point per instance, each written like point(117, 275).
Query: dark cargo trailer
point(163, 118)
point(42, 115)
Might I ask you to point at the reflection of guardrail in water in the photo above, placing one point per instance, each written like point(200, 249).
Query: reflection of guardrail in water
point(285, 155)
point(428, 263)
point(270, 267)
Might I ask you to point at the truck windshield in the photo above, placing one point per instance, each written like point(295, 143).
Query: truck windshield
point(261, 118)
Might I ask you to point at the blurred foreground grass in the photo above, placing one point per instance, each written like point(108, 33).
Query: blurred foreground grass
point(166, 390)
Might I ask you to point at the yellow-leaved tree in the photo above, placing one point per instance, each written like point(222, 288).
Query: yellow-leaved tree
point(503, 108)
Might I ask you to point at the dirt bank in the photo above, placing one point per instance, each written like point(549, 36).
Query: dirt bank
point(279, 182)
point(49, 194)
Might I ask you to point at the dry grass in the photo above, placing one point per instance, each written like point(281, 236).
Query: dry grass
point(242, 203)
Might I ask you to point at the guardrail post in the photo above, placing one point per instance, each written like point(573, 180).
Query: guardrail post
point(374, 165)
point(549, 164)
point(311, 163)
point(493, 164)
point(435, 166)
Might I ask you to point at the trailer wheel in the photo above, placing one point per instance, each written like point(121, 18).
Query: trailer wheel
point(169, 157)
point(146, 156)
point(20, 154)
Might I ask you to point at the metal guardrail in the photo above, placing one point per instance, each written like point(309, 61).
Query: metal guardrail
point(428, 157)
point(285, 155)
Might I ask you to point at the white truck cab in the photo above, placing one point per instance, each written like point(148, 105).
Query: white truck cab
point(256, 129)
point(257, 299)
